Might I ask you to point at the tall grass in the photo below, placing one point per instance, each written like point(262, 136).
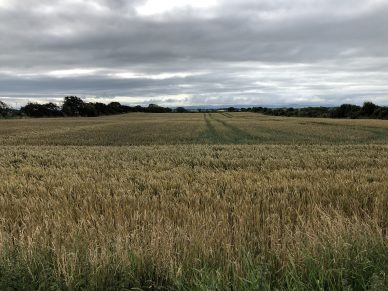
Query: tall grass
point(194, 217)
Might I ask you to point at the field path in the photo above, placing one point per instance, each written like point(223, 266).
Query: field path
point(219, 129)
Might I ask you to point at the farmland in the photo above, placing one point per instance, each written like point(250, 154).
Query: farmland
point(196, 201)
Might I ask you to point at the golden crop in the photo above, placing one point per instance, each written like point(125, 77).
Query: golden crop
point(194, 201)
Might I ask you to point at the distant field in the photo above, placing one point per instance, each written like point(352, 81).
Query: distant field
point(195, 128)
point(202, 201)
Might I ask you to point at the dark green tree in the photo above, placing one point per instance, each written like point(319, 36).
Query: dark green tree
point(368, 109)
point(5, 110)
point(72, 106)
point(41, 110)
point(181, 110)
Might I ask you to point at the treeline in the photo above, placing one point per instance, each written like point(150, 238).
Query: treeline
point(368, 110)
point(75, 106)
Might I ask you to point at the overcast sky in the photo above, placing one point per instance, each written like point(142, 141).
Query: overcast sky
point(195, 52)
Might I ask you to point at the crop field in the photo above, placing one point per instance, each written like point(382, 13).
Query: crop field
point(194, 201)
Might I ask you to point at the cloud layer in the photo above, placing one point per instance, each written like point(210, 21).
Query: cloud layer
point(270, 52)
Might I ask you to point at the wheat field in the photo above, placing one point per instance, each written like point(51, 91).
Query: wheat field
point(196, 201)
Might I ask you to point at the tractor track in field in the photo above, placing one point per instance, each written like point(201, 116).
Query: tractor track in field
point(232, 135)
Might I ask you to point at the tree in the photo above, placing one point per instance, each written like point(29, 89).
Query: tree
point(3, 105)
point(88, 109)
point(154, 108)
point(4, 109)
point(115, 108)
point(181, 110)
point(368, 108)
point(41, 110)
point(72, 106)
point(346, 111)
point(101, 108)
point(381, 113)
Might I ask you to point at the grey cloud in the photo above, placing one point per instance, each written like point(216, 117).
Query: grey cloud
point(251, 51)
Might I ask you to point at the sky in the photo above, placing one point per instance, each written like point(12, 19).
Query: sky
point(195, 52)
